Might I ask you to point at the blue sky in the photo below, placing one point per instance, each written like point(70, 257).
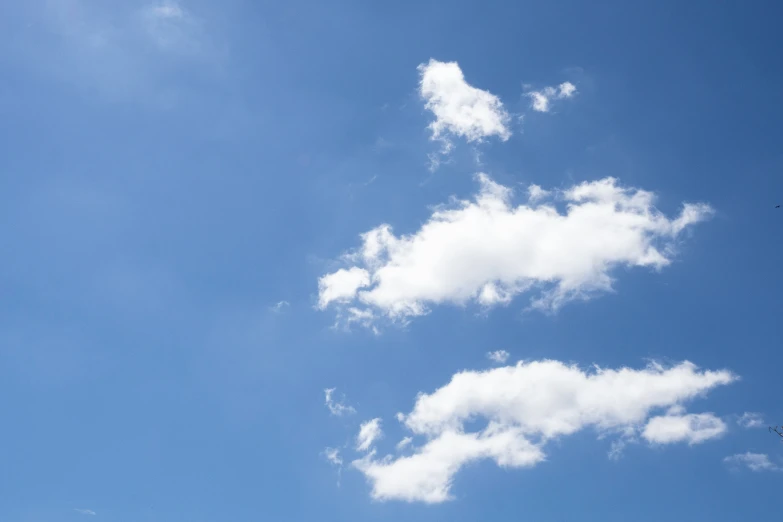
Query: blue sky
point(181, 179)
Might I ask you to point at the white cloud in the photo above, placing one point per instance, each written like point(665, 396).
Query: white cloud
point(369, 432)
point(751, 420)
point(753, 461)
point(404, 443)
point(617, 448)
point(85, 512)
point(426, 475)
point(280, 305)
point(692, 428)
point(487, 251)
point(333, 456)
point(362, 316)
point(524, 406)
point(536, 193)
point(336, 408)
point(341, 285)
point(566, 90)
point(459, 108)
point(498, 356)
point(541, 100)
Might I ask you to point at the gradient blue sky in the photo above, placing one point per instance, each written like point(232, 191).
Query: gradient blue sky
point(172, 171)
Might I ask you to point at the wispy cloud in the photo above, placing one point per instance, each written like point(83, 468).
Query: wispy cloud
point(404, 443)
point(751, 420)
point(280, 306)
point(498, 356)
point(166, 10)
point(173, 29)
point(334, 458)
point(752, 461)
point(617, 448)
point(336, 407)
point(85, 511)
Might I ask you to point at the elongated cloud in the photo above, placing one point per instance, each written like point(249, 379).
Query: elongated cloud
point(487, 251)
point(753, 461)
point(691, 428)
point(525, 406)
point(459, 108)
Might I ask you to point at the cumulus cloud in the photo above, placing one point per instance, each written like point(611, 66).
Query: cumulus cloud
point(541, 100)
point(498, 356)
point(692, 428)
point(459, 108)
point(566, 90)
point(369, 432)
point(487, 251)
point(524, 406)
point(751, 420)
point(336, 407)
point(753, 461)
